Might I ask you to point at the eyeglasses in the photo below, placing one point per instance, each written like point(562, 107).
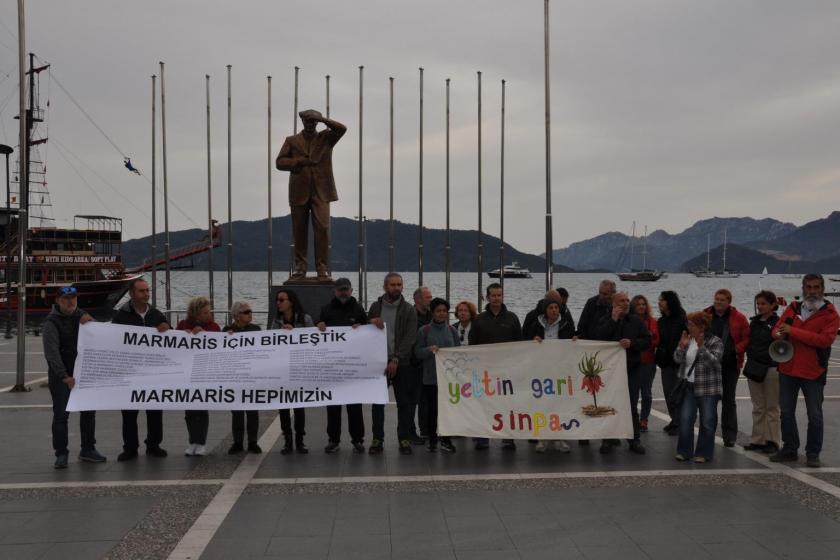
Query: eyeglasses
point(67, 291)
point(245, 312)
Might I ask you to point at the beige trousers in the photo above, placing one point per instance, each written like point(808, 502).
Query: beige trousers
point(765, 401)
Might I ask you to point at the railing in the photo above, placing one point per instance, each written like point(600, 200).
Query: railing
point(260, 318)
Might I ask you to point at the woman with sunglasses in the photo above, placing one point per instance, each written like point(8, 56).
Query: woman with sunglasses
point(199, 318)
point(243, 322)
point(466, 313)
point(290, 315)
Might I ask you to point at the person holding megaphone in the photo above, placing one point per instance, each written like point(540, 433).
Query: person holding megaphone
point(811, 327)
point(762, 376)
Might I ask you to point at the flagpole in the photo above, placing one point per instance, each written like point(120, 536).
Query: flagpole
point(270, 225)
point(549, 241)
point(420, 174)
point(165, 192)
point(391, 178)
point(230, 200)
point(154, 194)
point(448, 230)
point(480, 233)
point(327, 80)
point(294, 131)
point(502, 196)
point(209, 198)
point(23, 204)
point(361, 227)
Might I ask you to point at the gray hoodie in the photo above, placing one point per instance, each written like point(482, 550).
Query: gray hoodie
point(60, 335)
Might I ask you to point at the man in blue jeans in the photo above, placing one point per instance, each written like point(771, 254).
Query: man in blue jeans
point(811, 326)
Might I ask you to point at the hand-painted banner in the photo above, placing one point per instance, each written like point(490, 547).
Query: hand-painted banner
point(557, 389)
point(121, 367)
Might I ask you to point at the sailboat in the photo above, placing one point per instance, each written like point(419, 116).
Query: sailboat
point(723, 273)
point(643, 275)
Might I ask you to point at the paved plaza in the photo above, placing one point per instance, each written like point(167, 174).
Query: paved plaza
point(486, 505)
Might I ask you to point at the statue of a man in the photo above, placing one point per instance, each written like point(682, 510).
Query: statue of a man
point(307, 156)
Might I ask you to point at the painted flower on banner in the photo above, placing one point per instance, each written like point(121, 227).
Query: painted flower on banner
point(459, 364)
point(592, 368)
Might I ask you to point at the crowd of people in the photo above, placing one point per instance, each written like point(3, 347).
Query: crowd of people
point(700, 357)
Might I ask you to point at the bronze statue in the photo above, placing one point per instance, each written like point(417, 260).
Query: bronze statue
point(307, 156)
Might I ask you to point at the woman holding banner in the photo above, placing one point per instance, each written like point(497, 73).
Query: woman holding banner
point(699, 355)
point(430, 338)
point(551, 325)
point(290, 315)
point(199, 318)
point(242, 322)
point(465, 312)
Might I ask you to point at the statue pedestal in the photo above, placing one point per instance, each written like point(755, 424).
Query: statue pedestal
point(314, 293)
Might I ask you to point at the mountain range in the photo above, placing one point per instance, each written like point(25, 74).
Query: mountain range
point(250, 253)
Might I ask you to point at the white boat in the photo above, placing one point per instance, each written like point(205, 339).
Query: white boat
point(643, 275)
point(512, 270)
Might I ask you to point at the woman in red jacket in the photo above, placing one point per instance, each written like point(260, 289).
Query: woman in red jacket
point(647, 370)
point(199, 318)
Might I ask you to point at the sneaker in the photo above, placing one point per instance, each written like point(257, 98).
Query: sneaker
point(127, 456)
point(606, 448)
point(301, 448)
point(637, 448)
point(236, 448)
point(254, 447)
point(200, 450)
point(405, 447)
point(562, 446)
point(60, 462)
point(508, 445)
point(482, 445)
point(446, 445)
point(431, 447)
point(670, 426)
point(643, 425)
point(728, 443)
point(358, 447)
point(190, 450)
point(770, 448)
point(755, 447)
point(156, 451)
point(416, 440)
point(680, 457)
point(784, 456)
point(91, 456)
point(375, 447)
point(332, 447)
point(813, 461)
point(540, 448)
point(700, 459)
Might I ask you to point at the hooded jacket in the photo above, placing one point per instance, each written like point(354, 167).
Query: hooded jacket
point(60, 336)
point(346, 314)
point(127, 315)
point(812, 340)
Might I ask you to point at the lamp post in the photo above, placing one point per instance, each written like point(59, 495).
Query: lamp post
point(6, 151)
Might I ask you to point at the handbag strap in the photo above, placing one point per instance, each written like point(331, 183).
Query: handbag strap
point(691, 369)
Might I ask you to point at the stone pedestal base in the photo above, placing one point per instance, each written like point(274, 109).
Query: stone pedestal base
point(313, 296)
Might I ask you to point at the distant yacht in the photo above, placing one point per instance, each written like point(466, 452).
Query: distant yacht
point(723, 273)
point(512, 270)
point(644, 275)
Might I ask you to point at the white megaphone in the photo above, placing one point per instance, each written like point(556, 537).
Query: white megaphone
point(781, 350)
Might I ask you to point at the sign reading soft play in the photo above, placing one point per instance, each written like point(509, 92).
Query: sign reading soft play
point(557, 389)
point(121, 367)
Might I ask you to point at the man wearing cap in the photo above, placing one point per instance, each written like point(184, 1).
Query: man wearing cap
point(60, 337)
point(138, 312)
point(344, 311)
point(307, 156)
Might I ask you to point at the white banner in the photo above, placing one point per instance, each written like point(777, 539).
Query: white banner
point(557, 389)
point(121, 367)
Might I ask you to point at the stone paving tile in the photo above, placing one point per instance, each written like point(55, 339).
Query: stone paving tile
point(299, 546)
point(600, 552)
point(244, 546)
point(85, 549)
point(740, 551)
point(684, 550)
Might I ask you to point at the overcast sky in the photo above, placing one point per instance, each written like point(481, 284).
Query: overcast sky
point(663, 111)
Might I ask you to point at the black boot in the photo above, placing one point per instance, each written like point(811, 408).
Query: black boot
point(301, 447)
point(287, 446)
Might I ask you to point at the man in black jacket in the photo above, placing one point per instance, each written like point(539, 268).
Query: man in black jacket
point(628, 330)
point(422, 299)
point(495, 324)
point(60, 338)
point(596, 308)
point(344, 311)
point(139, 313)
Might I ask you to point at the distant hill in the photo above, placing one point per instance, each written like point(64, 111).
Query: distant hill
point(250, 242)
point(815, 240)
point(612, 251)
point(752, 261)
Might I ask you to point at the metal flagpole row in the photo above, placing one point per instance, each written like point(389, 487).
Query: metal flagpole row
point(294, 131)
point(230, 201)
point(361, 227)
point(420, 175)
point(448, 231)
point(549, 245)
point(23, 204)
point(502, 196)
point(480, 259)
